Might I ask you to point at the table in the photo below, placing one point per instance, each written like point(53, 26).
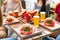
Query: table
point(45, 32)
point(55, 30)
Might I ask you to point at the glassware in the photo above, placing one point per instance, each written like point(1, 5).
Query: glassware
point(42, 16)
point(16, 14)
point(36, 21)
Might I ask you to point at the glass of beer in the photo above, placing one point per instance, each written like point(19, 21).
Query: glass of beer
point(36, 21)
point(16, 14)
point(42, 16)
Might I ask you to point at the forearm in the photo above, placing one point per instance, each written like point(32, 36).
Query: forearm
point(19, 6)
point(55, 16)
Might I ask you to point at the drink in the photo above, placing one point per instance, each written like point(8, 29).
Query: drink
point(16, 14)
point(42, 16)
point(36, 21)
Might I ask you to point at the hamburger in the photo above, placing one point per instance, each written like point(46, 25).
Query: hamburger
point(49, 22)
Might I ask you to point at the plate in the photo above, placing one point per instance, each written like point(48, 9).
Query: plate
point(56, 26)
point(36, 31)
point(14, 20)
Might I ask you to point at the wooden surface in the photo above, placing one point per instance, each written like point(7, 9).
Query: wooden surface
point(45, 32)
point(52, 28)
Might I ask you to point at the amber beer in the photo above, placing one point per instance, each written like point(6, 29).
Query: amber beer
point(36, 21)
point(42, 16)
point(16, 14)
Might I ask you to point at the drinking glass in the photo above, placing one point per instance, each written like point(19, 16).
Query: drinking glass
point(36, 21)
point(42, 16)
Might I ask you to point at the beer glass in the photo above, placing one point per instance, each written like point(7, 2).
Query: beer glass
point(36, 21)
point(42, 16)
point(16, 14)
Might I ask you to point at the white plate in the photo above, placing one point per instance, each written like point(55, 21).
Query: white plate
point(14, 20)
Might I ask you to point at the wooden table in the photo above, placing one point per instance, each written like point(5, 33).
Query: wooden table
point(45, 32)
point(54, 30)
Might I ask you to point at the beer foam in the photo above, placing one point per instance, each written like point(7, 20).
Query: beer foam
point(36, 16)
point(16, 11)
point(42, 12)
point(36, 10)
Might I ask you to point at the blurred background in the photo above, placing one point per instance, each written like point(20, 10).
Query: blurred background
point(53, 4)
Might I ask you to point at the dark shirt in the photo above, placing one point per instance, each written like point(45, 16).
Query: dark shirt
point(46, 10)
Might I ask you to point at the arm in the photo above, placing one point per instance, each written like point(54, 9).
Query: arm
point(47, 10)
point(3, 9)
point(4, 6)
point(19, 6)
point(55, 16)
point(56, 12)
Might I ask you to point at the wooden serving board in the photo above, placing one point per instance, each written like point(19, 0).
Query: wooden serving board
point(56, 26)
point(35, 33)
point(15, 20)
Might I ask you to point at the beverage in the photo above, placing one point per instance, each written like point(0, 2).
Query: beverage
point(42, 16)
point(36, 21)
point(16, 14)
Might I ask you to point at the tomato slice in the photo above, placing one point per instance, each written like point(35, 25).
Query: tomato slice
point(52, 24)
point(22, 29)
point(25, 31)
point(28, 33)
point(22, 32)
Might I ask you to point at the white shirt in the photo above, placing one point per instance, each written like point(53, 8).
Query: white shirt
point(10, 6)
point(30, 4)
